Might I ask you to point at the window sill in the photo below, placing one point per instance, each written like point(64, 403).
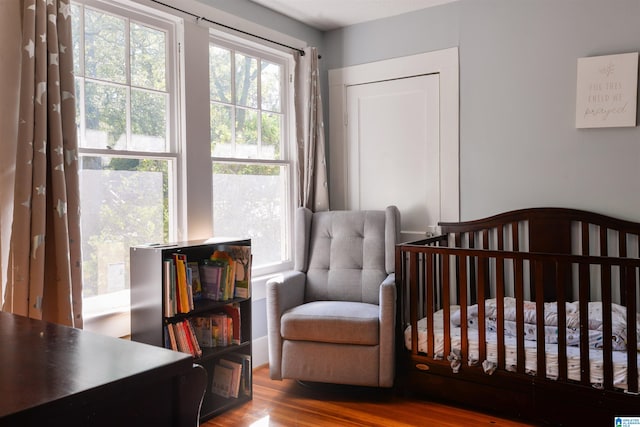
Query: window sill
point(115, 323)
point(108, 314)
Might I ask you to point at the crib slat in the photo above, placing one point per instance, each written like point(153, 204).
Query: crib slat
point(561, 274)
point(413, 303)
point(607, 362)
point(519, 294)
point(430, 284)
point(483, 276)
point(462, 261)
point(500, 278)
point(632, 341)
point(541, 368)
point(446, 304)
point(583, 299)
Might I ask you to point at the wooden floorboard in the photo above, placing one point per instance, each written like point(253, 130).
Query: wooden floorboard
point(289, 403)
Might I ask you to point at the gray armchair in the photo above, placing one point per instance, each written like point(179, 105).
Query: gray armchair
point(332, 318)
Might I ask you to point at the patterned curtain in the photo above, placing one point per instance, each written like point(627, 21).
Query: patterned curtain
point(44, 277)
point(312, 168)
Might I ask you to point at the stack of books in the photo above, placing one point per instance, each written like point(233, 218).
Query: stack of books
point(232, 376)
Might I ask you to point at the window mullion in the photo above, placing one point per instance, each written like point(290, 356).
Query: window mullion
point(127, 67)
point(259, 106)
point(233, 100)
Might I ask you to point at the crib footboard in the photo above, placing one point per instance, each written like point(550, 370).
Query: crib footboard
point(550, 337)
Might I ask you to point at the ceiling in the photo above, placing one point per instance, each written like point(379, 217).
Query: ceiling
point(331, 14)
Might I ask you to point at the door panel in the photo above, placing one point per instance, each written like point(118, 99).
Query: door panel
point(393, 150)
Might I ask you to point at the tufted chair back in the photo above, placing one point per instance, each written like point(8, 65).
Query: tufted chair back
point(345, 254)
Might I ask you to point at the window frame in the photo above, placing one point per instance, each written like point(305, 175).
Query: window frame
point(288, 159)
point(109, 313)
point(192, 182)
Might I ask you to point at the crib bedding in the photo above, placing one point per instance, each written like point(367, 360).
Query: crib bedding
point(619, 358)
point(594, 316)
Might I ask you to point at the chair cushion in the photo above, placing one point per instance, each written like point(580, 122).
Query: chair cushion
point(340, 322)
point(346, 256)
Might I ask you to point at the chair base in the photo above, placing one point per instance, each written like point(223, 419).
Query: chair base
point(346, 391)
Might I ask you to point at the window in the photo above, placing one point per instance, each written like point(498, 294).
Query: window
point(126, 117)
point(251, 162)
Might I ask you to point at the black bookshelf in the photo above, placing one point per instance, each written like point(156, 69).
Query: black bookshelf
point(148, 320)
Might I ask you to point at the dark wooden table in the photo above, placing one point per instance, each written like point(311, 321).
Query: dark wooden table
point(55, 375)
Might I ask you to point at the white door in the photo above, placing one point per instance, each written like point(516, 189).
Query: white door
point(393, 150)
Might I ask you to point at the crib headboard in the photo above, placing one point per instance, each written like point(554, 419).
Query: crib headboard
point(548, 230)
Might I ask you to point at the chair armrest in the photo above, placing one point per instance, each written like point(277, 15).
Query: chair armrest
point(283, 292)
point(388, 297)
point(387, 331)
point(286, 290)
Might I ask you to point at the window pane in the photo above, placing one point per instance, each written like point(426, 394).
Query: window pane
point(221, 130)
point(220, 74)
point(258, 192)
point(148, 57)
point(270, 86)
point(246, 81)
point(148, 121)
point(104, 46)
point(106, 116)
point(124, 203)
point(271, 135)
point(246, 133)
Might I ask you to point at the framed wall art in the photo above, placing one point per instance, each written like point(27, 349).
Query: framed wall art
point(606, 93)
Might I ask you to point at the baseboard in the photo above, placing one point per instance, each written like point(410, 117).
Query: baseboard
point(260, 352)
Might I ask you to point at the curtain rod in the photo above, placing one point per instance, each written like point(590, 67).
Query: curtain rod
point(229, 27)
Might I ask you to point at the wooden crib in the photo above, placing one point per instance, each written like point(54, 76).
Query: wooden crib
point(561, 284)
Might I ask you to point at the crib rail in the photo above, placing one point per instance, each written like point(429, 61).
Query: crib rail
point(432, 276)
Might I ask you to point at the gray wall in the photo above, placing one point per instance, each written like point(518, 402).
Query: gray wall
point(518, 143)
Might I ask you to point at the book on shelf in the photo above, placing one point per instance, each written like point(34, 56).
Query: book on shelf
point(182, 338)
point(245, 379)
point(194, 346)
point(219, 329)
point(182, 284)
point(247, 372)
point(205, 332)
point(236, 377)
point(169, 297)
point(228, 282)
point(234, 279)
point(185, 297)
point(212, 274)
point(172, 344)
point(221, 382)
point(233, 311)
point(196, 283)
point(233, 378)
point(223, 329)
point(242, 259)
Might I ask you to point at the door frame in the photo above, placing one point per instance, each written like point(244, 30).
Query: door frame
point(443, 62)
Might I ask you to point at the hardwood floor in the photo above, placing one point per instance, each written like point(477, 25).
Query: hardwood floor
point(289, 403)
